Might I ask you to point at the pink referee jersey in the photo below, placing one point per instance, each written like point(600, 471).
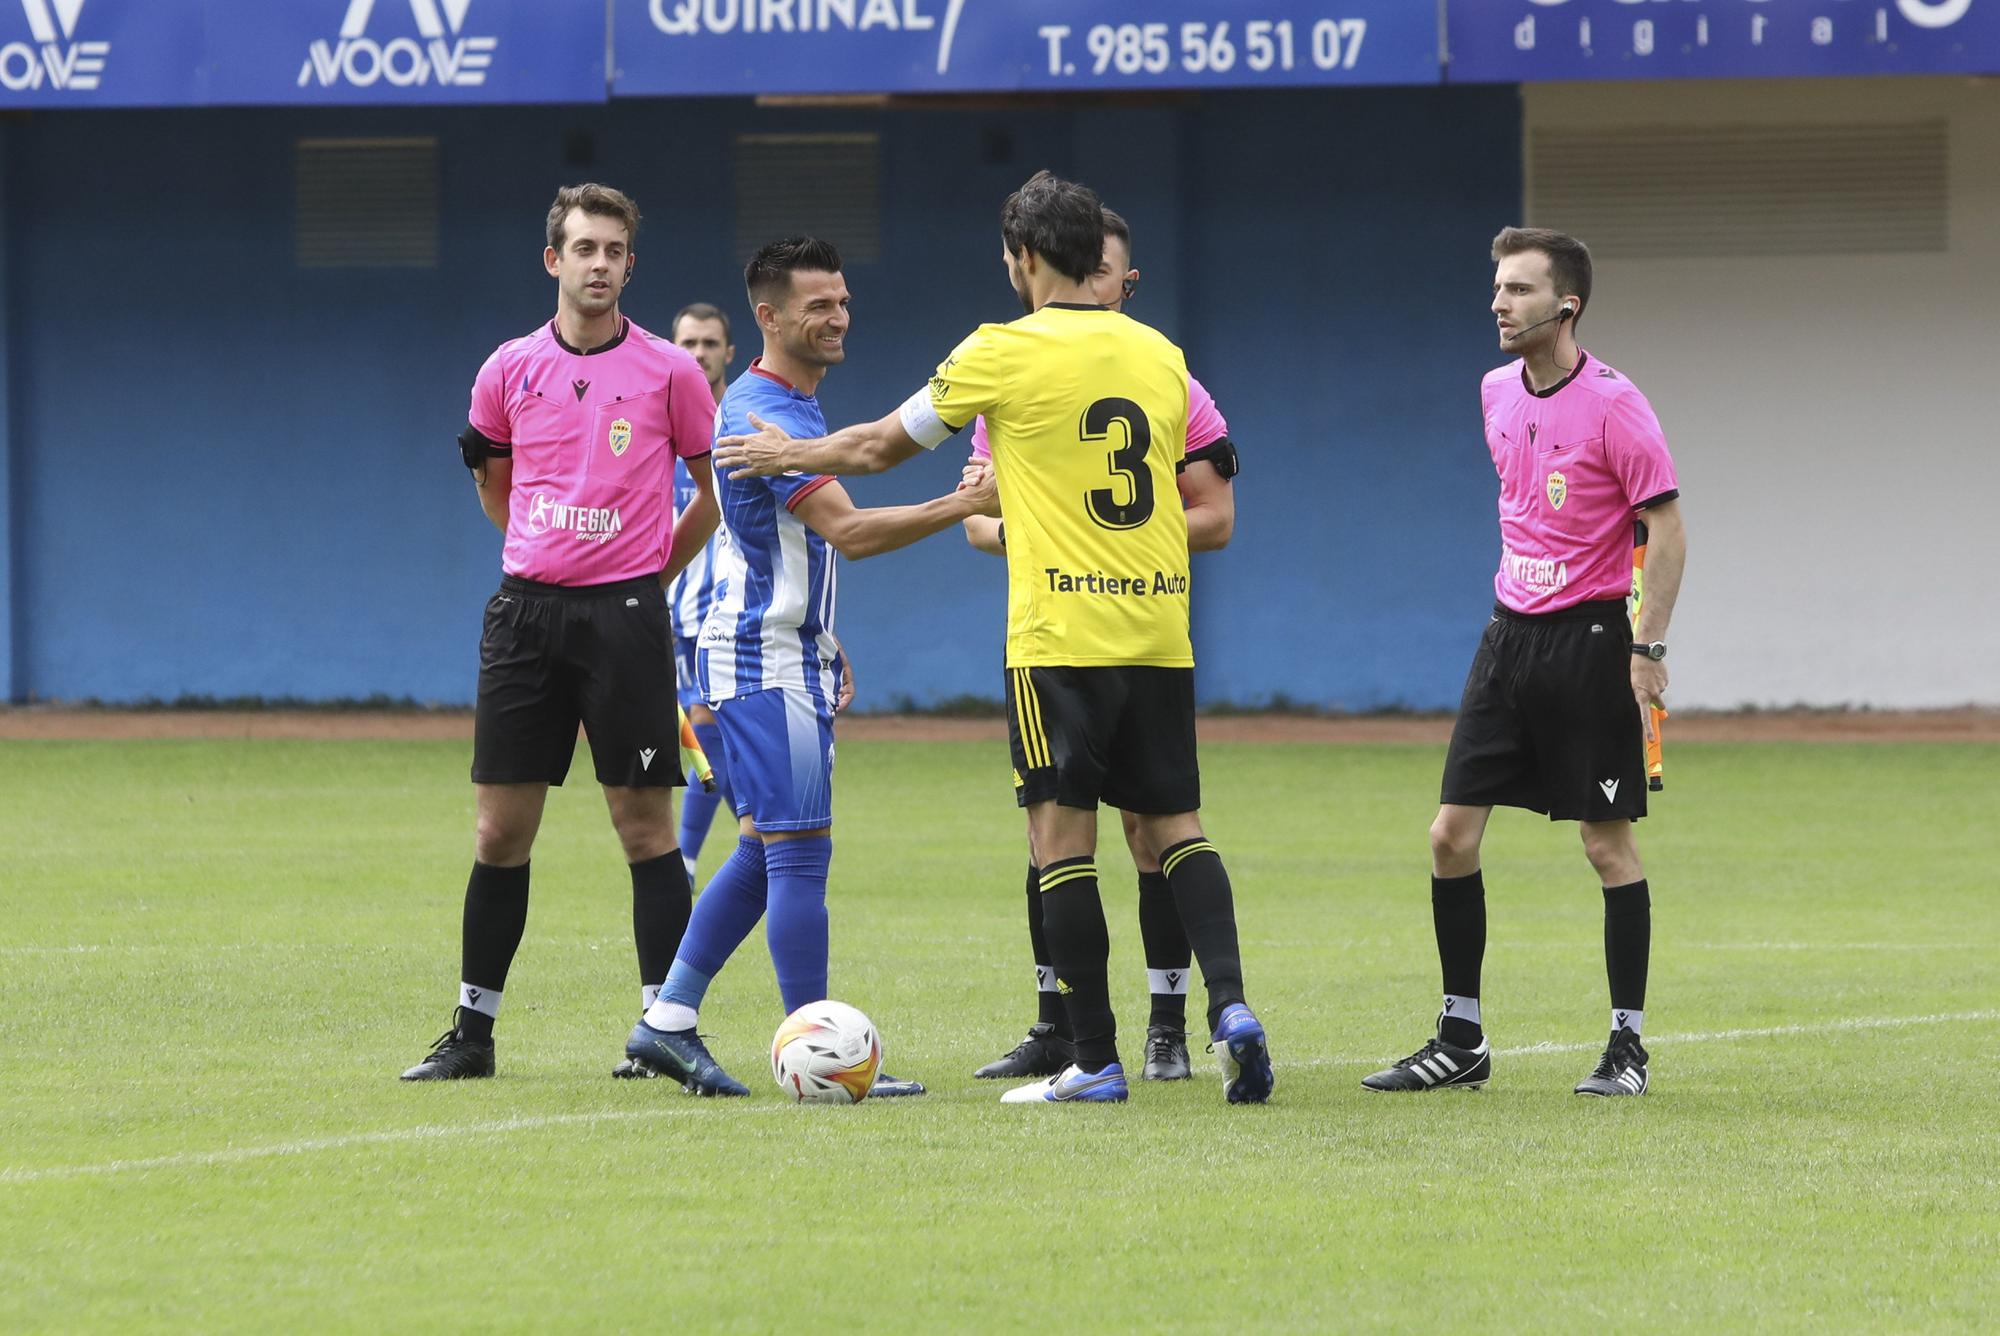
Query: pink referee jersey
point(1205, 424)
point(1575, 461)
point(593, 437)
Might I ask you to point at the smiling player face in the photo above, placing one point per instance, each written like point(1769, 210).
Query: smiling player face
point(813, 322)
point(595, 260)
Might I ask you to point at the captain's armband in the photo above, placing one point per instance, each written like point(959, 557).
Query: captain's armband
point(1220, 452)
point(920, 419)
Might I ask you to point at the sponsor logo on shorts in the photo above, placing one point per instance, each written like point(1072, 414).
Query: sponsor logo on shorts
point(621, 437)
point(646, 755)
point(1610, 787)
point(590, 524)
point(1558, 490)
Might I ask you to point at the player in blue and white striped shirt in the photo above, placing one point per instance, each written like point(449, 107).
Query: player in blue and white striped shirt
point(767, 662)
point(702, 330)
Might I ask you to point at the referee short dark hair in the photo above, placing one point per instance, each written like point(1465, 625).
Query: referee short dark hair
point(701, 311)
point(1116, 226)
point(768, 276)
point(1059, 220)
point(592, 198)
point(1569, 259)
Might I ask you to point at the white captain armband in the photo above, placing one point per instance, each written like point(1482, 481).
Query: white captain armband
point(920, 419)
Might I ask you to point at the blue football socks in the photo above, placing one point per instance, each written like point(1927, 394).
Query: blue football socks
point(796, 923)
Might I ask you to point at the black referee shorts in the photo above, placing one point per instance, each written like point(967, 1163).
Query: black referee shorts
point(1548, 721)
point(553, 656)
point(1122, 734)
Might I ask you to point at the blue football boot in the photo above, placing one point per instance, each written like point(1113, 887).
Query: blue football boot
point(1073, 1085)
point(1245, 1056)
point(682, 1055)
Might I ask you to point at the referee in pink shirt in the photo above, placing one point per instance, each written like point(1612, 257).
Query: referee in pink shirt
point(571, 439)
point(1555, 707)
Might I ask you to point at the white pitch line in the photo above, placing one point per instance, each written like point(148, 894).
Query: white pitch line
point(1706, 1036)
point(391, 1136)
point(435, 1131)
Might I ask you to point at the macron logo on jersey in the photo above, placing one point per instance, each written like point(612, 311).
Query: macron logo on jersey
point(440, 52)
point(55, 61)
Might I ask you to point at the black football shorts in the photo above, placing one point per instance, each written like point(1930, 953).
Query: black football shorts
point(554, 656)
point(1548, 721)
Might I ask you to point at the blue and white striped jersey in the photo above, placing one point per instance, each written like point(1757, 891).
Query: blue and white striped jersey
point(693, 589)
point(770, 624)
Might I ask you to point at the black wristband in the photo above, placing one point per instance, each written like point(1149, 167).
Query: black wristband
point(1001, 530)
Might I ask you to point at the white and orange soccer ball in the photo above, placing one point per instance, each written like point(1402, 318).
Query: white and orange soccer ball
point(826, 1053)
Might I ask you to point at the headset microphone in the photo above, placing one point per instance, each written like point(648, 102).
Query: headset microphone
point(1566, 313)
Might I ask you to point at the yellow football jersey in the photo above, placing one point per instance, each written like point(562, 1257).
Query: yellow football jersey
point(1086, 414)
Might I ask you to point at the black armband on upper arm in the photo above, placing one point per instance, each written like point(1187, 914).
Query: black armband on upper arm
point(1220, 452)
point(477, 448)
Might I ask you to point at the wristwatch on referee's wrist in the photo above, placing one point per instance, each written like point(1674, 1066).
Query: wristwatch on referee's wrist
point(1651, 649)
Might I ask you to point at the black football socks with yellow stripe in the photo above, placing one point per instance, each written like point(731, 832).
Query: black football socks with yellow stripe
point(1048, 999)
point(1200, 887)
point(1080, 949)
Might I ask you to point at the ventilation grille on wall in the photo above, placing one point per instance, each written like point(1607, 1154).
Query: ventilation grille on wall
point(1744, 190)
point(366, 204)
point(824, 185)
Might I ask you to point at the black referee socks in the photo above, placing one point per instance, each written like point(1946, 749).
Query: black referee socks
point(662, 900)
point(1628, 944)
point(496, 913)
point(1200, 885)
point(1080, 949)
point(1458, 915)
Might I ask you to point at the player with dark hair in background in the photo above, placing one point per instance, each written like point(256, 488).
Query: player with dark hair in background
point(572, 437)
point(1559, 697)
point(1086, 412)
point(1210, 502)
point(767, 657)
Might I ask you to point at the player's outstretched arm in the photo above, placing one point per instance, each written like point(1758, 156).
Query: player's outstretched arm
point(866, 447)
point(856, 533)
point(1210, 502)
point(494, 477)
point(696, 524)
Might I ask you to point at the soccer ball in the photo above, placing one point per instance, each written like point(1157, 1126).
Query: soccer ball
point(826, 1053)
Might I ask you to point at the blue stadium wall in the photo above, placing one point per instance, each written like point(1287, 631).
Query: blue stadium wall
point(229, 476)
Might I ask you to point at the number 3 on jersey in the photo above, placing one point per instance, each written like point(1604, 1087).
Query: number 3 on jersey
point(1127, 461)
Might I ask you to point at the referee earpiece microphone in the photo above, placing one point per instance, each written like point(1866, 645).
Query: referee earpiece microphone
point(1566, 313)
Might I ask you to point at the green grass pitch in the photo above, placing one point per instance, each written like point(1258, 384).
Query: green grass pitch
point(215, 957)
